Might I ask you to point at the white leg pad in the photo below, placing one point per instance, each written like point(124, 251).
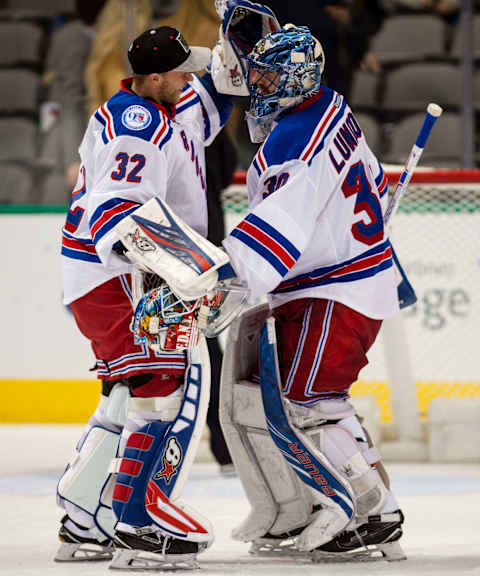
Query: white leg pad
point(340, 447)
point(279, 501)
point(345, 445)
point(86, 475)
point(83, 490)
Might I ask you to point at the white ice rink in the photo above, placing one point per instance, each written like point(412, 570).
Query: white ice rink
point(441, 503)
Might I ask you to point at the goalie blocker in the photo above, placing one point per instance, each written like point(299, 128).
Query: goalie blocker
point(159, 241)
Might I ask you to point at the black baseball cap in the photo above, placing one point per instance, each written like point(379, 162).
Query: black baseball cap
point(163, 49)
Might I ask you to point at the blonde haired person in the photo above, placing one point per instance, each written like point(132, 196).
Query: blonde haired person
point(147, 141)
point(107, 65)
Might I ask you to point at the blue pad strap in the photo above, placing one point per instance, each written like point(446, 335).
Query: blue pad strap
point(129, 493)
point(152, 465)
point(307, 466)
point(405, 291)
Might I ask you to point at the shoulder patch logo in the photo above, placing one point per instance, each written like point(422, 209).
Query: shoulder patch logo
point(136, 118)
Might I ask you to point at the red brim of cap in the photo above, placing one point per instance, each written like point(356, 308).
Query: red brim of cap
point(198, 59)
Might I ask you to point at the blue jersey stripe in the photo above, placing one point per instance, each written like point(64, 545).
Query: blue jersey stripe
point(77, 255)
point(166, 138)
point(326, 269)
point(379, 178)
point(261, 250)
point(223, 102)
point(256, 166)
point(188, 104)
point(102, 121)
point(86, 241)
point(336, 119)
point(111, 223)
point(275, 234)
point(360, 275)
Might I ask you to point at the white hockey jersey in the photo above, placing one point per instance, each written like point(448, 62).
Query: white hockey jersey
point(317, 196)
point(135, 149)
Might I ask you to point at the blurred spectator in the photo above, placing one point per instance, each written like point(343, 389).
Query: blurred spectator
point(164, 8)
point(344, 29)
point(197, 19)
point(440, 7)
point(63, 114)
point(107, 64)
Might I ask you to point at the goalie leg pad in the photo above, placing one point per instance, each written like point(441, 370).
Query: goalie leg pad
point(331, 490)
point(158, 458)
point(342, 450)
point(280, 502)
point(82, 489)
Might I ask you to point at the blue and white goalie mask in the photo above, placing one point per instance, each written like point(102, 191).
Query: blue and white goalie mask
point(284, 69)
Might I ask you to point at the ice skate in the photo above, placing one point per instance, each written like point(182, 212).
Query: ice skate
point(277, 545)
point(76, 547)
point(376, 539)
point(150, 548)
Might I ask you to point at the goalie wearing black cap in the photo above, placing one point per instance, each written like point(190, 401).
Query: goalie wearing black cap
point(123, 485)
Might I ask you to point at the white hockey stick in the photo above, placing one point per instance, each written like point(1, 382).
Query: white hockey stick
point(433, 112)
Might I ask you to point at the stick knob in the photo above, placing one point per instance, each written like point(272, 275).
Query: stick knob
point(434, 109)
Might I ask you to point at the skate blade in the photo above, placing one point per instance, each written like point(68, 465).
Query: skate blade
point(268, 548)
point(82, 553)
point(138, 560)
point(390, 552)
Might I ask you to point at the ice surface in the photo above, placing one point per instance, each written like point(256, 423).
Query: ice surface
point(441, 503)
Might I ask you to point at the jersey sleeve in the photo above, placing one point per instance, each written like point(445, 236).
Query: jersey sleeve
point(270, 240)
point(129, 172)
point(202, 108)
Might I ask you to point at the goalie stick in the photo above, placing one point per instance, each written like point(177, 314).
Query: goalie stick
point(434, 111)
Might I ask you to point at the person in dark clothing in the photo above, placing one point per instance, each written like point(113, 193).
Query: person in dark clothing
point(344, 28)
point(221, 161)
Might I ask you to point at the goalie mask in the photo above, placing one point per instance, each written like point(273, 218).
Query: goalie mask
point(284, 69)
point(163, 321)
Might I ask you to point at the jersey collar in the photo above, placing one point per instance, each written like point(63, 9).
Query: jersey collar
point(170, 111)
point(305, 104)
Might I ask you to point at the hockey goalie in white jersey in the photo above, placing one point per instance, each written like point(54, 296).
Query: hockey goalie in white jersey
point(314, 242)
point(143, 157)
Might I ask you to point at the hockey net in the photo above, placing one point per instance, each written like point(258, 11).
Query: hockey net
point(436, 234)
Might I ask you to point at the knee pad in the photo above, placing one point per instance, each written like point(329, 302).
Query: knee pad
point(158, 456)
point(82, 489)
point(279, 501)
point(337, 432)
